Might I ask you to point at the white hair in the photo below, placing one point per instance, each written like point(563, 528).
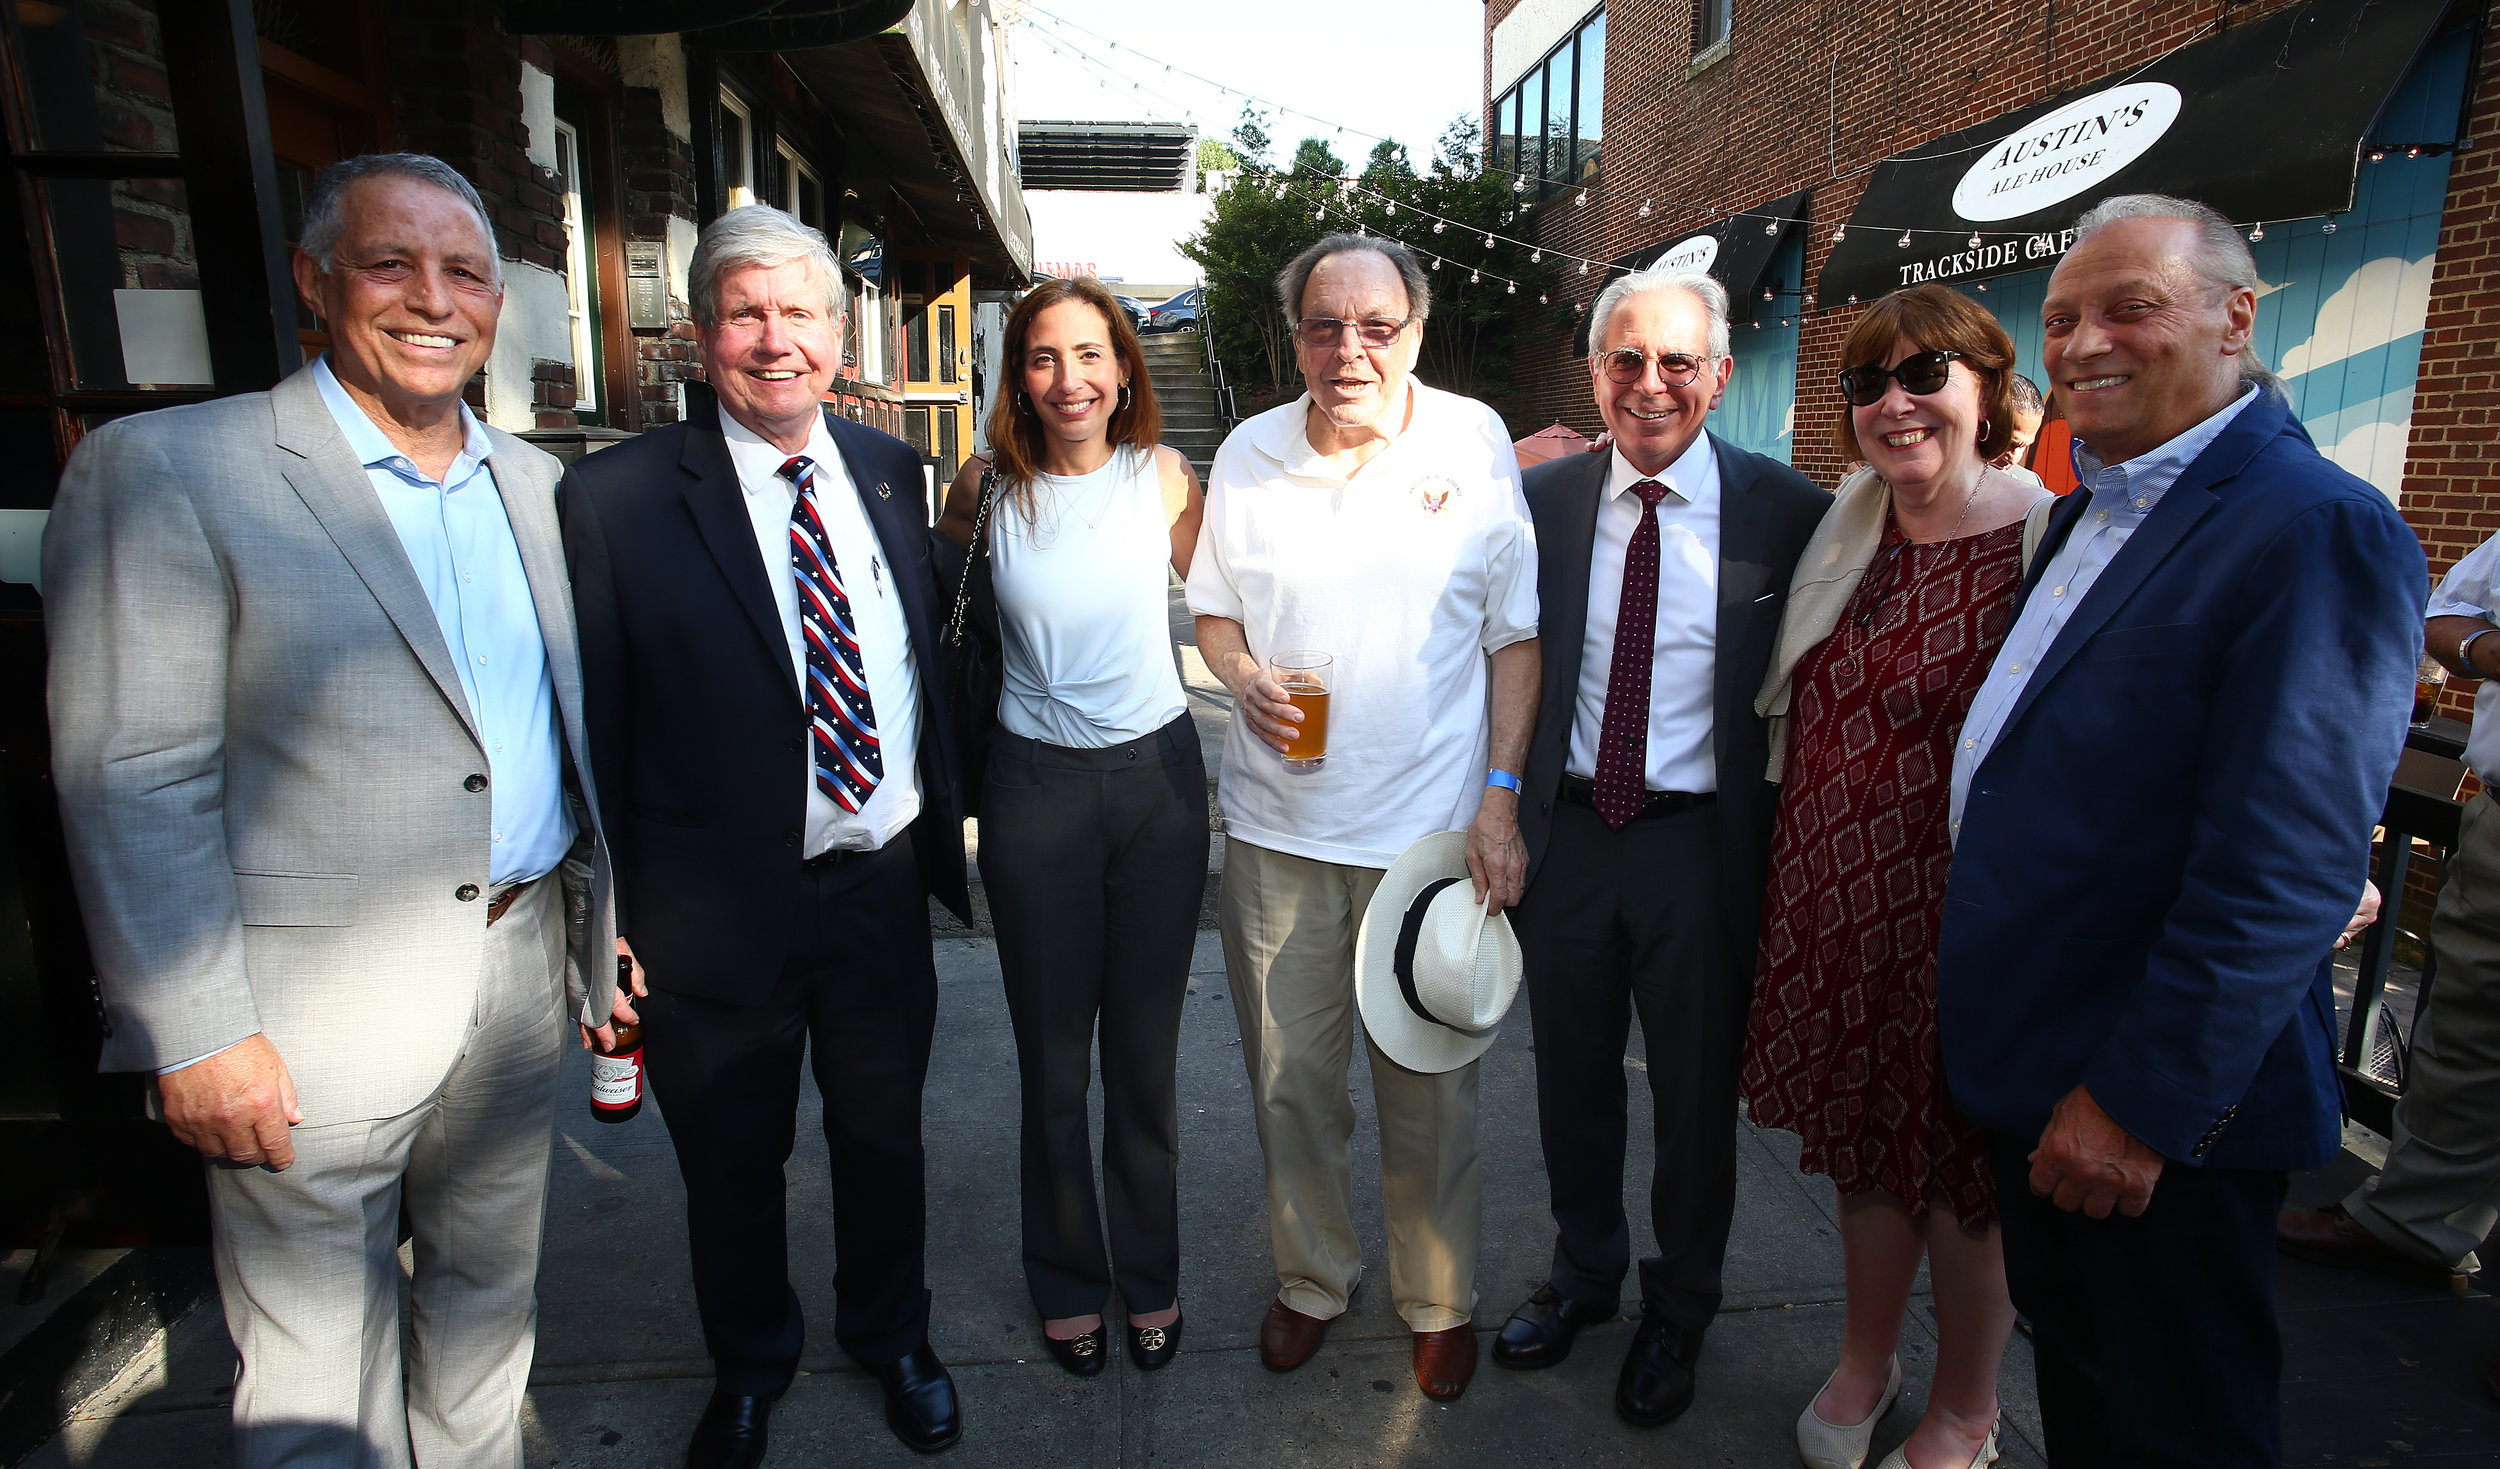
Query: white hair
point(757, 235)
point(1700, 285)
point(2219, 255)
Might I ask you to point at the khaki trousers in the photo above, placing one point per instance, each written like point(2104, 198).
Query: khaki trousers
point(2440, 1193)
point(1288, 925)
point(308, 1259)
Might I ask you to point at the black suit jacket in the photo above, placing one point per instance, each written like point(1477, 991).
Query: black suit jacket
point(1766, 512)
point(698, 734)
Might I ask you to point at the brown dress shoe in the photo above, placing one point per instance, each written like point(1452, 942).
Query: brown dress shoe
point(1287, 1338)
point(1445, 1361)
point(2329, 1236)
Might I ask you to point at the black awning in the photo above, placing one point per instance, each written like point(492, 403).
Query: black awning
point(724, 25)
point(1735, 251)
point(2263, 122)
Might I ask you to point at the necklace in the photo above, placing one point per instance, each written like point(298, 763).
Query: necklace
point(1960, 520)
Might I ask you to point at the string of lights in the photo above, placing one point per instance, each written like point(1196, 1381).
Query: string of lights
point(1581, 192)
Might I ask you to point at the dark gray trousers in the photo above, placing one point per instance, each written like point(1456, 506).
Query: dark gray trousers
point(1095, 862)
point(1620, 921)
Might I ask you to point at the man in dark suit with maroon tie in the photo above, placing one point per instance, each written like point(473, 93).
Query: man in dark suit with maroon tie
point(1663, 564)
point(759, 631)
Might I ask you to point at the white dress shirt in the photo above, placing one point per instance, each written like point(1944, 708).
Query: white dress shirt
point(1684, 655)
point(2123, 495)
point(876, 613)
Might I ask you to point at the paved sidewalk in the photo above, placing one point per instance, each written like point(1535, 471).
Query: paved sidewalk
point(621, 1372)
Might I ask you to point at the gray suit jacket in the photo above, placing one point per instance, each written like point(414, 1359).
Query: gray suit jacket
point(262, 751)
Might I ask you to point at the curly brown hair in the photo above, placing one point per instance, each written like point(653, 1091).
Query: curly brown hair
point(1015, 430)
point(1938, 319)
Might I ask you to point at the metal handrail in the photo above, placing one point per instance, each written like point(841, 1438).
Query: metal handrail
point(1225, 413)
point(2411, 814)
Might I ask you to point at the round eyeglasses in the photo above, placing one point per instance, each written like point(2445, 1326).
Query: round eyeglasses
point(1919, 374)
point(1624, 367)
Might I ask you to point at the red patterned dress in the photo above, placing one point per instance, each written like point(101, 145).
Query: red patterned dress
point(1842, 1047)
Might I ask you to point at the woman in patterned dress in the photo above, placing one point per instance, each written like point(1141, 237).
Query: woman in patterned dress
point(1896, 611)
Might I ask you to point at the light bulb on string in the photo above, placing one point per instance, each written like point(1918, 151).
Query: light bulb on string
point(1390, 208)
point(1536, 257)
point(2413, 152)
point(1644, 210)
point(1840, 233)
point(2257, 232)
point(1513, 290)
point(1436, 262)
point(2378, 155)
point(1974, 239)
point(1904, 241)
point(1980, 286)
point(2327, 228)
point(1771, 226)
point(1488, 242)
point(1474, 276)
point(1517, 183)
point(1584, 267)
point(1544, 300)
point(1437, 225)
point(1783, 321)
point(1767, 294)
point(1583, 200)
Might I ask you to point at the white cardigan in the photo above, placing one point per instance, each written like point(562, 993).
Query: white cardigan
point(1834, 562)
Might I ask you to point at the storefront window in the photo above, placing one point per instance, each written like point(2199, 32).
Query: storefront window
point(1589, 123)
point(1546, 125)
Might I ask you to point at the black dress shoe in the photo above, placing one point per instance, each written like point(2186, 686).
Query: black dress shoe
point(920, 1400)
point(1656, 1384)
point(1539, 1333)
point(1081, 1354)
point(730, 1434)
point(1152, 1348)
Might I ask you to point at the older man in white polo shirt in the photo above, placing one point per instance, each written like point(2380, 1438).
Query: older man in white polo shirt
point(1378, 521)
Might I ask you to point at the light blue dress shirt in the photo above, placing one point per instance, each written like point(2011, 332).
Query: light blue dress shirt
point(460, 543)
point(2472, 589)
point(2122, 496)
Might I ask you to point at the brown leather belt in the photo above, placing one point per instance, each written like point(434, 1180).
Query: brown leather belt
point(1579, 790)
point(501, 903)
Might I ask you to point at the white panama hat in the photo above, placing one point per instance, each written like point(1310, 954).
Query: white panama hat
point(1433, 973)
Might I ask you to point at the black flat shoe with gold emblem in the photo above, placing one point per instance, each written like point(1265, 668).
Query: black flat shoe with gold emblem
point(1081, 1354)
point(1153, 1347)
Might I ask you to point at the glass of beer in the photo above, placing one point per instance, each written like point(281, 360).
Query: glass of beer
point(2428, 680)
point(1306, 676)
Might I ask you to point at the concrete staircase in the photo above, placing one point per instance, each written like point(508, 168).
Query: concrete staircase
point(1192, 422)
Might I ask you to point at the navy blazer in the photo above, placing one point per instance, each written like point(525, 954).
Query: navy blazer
point(698, 734)
point(2159, 850)
point(1767, 513)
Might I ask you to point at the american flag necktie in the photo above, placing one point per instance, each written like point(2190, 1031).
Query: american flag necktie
point(842, 721)
point(1623, 736)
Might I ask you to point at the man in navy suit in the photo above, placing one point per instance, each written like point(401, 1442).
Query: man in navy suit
point(759, 652)
point(1662, 567)
point(2162, 808)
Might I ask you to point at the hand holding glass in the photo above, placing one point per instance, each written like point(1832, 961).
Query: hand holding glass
point(1305, 677)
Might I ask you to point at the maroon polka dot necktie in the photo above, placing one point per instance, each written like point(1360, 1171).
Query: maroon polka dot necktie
point(1623, 739)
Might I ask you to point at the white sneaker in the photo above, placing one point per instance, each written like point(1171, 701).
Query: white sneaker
point(1900, 1459)
point(1822, 1445)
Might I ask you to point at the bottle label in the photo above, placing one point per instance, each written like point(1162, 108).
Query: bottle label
point(615, 1081)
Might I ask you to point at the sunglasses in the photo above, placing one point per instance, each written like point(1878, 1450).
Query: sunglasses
point(1624, 367)
point(1919, 374)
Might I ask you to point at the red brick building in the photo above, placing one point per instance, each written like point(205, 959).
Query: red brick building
point(1713, 116)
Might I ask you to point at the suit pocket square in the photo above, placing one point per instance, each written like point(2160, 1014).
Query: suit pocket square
point(296, 899)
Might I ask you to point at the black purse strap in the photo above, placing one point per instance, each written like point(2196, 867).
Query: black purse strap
point(978, 552)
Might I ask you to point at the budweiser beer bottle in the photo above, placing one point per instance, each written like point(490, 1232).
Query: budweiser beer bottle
point(616, 1071)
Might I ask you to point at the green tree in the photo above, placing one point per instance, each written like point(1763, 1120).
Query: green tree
point(1444, 215)
point(1214, 157)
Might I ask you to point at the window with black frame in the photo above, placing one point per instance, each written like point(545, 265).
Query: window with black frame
point(1712, 21)
point(1547, 125)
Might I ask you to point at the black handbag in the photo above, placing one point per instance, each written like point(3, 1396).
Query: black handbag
point(976, 669)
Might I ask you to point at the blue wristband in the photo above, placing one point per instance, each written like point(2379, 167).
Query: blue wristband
point(1504, 779)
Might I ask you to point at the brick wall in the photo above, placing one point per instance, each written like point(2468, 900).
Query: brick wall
point(658, 170)
point(1810, 94)
point(455, 83)
point(134, 108)
point(2452, 465)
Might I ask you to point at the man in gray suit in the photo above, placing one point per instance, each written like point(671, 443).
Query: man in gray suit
point(317, 733)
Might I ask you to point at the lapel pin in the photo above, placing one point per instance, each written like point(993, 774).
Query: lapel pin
point(884, 492)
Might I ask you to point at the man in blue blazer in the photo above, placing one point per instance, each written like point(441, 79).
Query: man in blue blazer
point(2162, 810)
point(759, 652)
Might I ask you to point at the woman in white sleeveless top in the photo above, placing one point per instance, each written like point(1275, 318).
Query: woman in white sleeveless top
point(1094, 815)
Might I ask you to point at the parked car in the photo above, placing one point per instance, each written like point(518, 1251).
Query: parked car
point(1180, 313)
point(1139, 313)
